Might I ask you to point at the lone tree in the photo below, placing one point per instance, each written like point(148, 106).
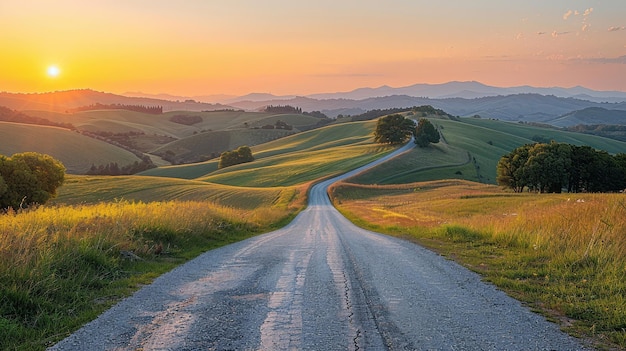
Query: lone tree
point(393, 129)
point(29, 178)
point(425, 133)
point(230, 158)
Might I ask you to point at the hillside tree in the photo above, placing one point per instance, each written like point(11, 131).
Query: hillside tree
point(425, 133)
point(393, 129)
point(243, 154)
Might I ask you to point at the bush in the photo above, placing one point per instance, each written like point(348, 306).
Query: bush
point(29, 178)
point(230, 158)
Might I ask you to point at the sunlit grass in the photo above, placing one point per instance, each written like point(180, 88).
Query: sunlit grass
point(563, 254)
point(61, 266)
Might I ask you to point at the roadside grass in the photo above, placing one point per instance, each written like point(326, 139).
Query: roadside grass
point(61, 266)
point(562, 254)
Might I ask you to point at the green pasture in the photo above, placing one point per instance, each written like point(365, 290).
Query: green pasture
point(77, 152)
point(96, 189)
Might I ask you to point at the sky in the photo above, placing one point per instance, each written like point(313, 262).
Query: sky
point(287, 47)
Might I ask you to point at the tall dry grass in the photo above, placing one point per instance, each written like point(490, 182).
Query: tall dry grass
point(564, 254)
point(61, 266)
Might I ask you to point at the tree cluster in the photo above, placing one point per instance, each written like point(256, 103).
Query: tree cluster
point(243, 154)
point(29, 178)
point(278, 125)
point(316, 114)
point(393, 129)
point(154, 110)
point(422, 111)
point(187, 120)
point(283, 109)
point(556, 167)
point(425, 133)
point(114, 169)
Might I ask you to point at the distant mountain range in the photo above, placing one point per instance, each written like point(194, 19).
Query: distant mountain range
point(557, 106)
point(466, 90)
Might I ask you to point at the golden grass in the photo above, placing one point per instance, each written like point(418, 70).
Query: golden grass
point(564, 254)
point(60, 266)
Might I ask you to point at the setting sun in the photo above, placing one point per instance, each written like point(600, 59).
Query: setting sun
point(53, 71)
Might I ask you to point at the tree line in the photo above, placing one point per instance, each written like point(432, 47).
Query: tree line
point(114, 169)
point(555, 167)
point(8, 115)
point(284, 109)
point(154, 110)
point(28, 178)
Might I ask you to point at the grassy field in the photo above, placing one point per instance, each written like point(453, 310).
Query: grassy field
point(479, 141)
point(93, 190)
point(61, 266)
point(295, 159)
point(562, 254)
point(213, 143)
point(216, 132)
point(119, 121)
point(77, 152)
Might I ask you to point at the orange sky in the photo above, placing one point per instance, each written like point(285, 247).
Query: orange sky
point(200, 47)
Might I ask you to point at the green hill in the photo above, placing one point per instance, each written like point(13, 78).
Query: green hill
point(77, 152)
point(211, 144)
point(471, 150)
point(176, 136)
point(94, 189)
point(291, 160)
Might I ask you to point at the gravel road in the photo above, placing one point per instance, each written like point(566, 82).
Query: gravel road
point(319, 284)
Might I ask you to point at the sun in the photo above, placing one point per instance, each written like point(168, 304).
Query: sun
point(53, 71)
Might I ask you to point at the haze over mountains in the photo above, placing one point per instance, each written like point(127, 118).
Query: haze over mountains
point(556, 106)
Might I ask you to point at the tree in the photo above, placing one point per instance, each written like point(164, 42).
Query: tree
point(29, 178)
point(557, 166)
point(510, 169)
point(230, 158)
point(393, 129)
point(425, 133)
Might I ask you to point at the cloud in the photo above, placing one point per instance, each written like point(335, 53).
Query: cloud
point(586, 26)
point(541, 33)
point(616, 28)
point(567, 14)
point(588, 12)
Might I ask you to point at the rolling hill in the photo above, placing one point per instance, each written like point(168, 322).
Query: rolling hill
point(178, 136)
point(471, 150)
point(77, 152)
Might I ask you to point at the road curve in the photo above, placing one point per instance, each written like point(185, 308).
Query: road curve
point(320, 283)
